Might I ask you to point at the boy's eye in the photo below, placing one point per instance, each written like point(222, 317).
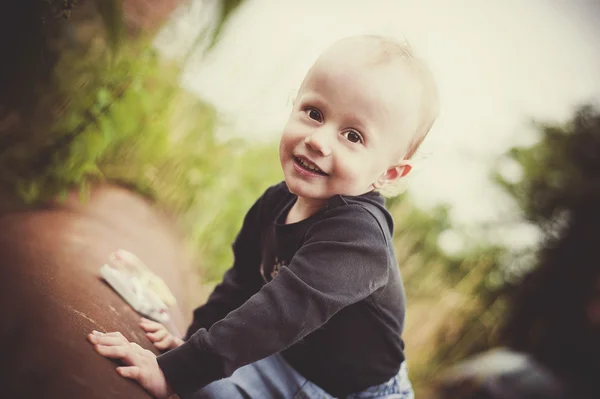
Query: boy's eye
point(353, 136)
point(315, 115)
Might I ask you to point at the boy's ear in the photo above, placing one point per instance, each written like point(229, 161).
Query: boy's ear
point(394, 173)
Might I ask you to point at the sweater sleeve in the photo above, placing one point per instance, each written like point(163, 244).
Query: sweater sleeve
point(241, 281)
point(343, 260)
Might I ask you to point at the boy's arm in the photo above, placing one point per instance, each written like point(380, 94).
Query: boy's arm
point(241, 281)
point(344, 260)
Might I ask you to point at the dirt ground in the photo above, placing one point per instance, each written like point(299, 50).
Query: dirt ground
point(51, 295)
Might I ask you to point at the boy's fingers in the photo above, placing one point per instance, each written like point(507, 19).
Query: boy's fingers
point(107, 340)
point(150, 326)
point(129, 372)
point(112, 334)
point(158, 335)
point(162, 345)
point(123, 352)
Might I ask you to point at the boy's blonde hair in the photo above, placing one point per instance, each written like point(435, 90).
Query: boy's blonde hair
point(385, 50)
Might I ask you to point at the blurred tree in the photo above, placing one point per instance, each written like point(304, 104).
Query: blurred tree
point(86, 101)
point(551, 316)
point(73, 70)
point(559, 172)
point(548, 314)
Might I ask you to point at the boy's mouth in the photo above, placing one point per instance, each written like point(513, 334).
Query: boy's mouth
point(308, 166)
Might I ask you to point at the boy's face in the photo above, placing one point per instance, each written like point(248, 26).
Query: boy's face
point(350, 124)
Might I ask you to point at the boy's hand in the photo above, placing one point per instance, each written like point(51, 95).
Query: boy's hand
point(141, 364)
point(159, 335)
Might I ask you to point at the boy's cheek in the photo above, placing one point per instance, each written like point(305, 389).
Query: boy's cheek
point(293, 135)
point(297, 124)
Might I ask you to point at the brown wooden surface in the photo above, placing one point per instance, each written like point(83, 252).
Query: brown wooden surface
point(51, 295)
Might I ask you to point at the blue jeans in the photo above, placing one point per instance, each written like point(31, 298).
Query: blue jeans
point(274, 378)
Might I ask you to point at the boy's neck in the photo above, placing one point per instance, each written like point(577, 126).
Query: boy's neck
point(304, 208)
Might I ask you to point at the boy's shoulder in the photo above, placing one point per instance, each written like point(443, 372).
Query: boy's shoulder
point(371, 203)
point(351, 219)
point(369, 207)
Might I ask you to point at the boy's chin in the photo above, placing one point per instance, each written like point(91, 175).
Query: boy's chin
point(306, 190)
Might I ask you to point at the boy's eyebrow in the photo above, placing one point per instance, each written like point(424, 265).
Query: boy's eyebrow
point(313, 98)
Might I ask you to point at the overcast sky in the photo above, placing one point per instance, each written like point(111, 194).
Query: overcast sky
point(498, 63)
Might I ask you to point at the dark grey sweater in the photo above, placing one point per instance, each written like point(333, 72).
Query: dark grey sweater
point(325, 292)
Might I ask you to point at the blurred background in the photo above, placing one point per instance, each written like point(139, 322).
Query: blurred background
point(183, 102)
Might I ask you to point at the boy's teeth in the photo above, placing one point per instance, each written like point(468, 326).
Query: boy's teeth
point(306, 165)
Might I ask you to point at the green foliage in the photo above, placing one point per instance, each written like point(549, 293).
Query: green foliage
point(117, 114)
point(559, 173)
point(465, 298)
point(428, 225)
point(128, 122)
point(558, 170)
point(237, 181)
point(107, 107)
point(456, 300)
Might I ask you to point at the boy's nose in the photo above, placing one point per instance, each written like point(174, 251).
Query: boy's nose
point(319, 142)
